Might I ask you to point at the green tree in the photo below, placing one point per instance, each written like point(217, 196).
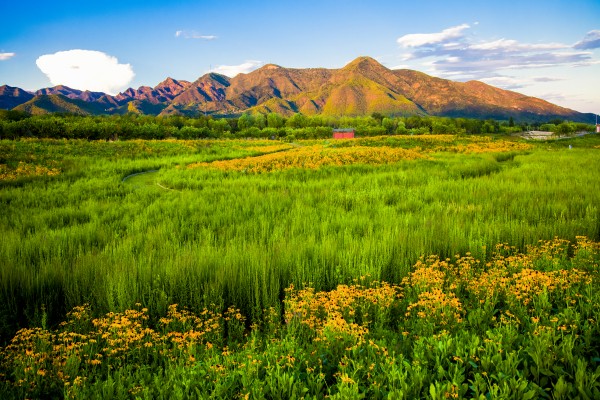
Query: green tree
point(439, 128)
point(564, 128)
point(219, 126)
point(389, 125)
point(260, 121)
point(245, 121)
point(13, 115)
point(297, 121)
point(274, 120)
point(378, 116)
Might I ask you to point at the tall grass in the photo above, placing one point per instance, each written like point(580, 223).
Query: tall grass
point(228, 237)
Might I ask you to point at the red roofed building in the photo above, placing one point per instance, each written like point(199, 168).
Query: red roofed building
point(343, 133)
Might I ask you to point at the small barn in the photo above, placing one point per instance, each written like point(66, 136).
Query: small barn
point(343, 133)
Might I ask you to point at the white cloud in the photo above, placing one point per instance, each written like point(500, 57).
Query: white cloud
point(587, 63)
point(86, 70)
point(193, 35)
point(590, 41)
point(400, 66)
point(505, 82)
point(556, 97)
point(547, 79)
point(424, 39)
point(233, 70)
point(514, 46)
point(452, 53)
point(6, 56)
point(513, 83)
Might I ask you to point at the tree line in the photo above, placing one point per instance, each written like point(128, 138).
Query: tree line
point(16, 124)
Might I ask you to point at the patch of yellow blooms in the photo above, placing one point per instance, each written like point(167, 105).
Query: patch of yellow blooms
point(314, 157)
point(25, 170)
point(432, 293)
point(369, 151)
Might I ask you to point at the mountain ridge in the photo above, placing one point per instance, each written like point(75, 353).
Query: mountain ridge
point(361, 87)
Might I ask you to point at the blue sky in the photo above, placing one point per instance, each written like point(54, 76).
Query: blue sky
point(548, 49)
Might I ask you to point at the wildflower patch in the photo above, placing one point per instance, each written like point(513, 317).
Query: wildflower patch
point(314, 157)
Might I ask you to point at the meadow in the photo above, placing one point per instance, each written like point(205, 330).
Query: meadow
point(429, 266)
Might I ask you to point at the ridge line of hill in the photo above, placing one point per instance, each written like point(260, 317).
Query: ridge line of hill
point(362, 87)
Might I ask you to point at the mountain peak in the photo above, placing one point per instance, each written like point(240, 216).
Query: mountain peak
point(363, 62)
point(361, 87)
point(270, 66)
point(13, 96)
point(169, 82)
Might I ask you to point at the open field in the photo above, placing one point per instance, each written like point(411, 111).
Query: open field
point(300, 269)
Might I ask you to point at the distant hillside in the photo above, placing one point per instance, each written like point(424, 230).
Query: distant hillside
point(141, 107)
point(11, 97)
point(71, 93)
point(164, 92)
point(475, 99)
point(362, 87)
point(57, 103)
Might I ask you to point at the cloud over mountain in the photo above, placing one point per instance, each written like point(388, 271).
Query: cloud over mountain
point(86, 70)
point(428, 39)
point(233, 70)
point(453, 53)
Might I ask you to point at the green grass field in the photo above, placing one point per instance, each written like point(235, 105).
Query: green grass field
point(209, 232)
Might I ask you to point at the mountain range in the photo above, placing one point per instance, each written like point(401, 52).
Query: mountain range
point(362, 87)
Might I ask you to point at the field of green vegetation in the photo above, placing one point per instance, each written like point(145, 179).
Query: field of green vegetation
point(17, 124)
point(430, 266)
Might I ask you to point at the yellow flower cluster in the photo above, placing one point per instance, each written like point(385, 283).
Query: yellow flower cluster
point(552, 250)
point(433, 281)
point(585, 251)
point(453, 143)
point(25, 170)
point(269, 148)
point(510, 276)
point(184, 329)
point(84, 342)
point(516, 278)
point(435, 295)
point(487, 147)
point(314, 157)
point(349, 309)
point(528, 283)
point(435, 305)
point(433, 273)
point(386, 139)
point(585, 244)
point(428, 274)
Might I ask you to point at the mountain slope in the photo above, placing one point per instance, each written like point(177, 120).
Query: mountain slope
point(71, 93)
point(206, 94)
point(57, 103)
point(475, 99)
point(362, 87)
point(164, 92)
point(11, 97)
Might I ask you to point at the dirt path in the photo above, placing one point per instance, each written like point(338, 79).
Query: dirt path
point(139, 173)
point(145, 178)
